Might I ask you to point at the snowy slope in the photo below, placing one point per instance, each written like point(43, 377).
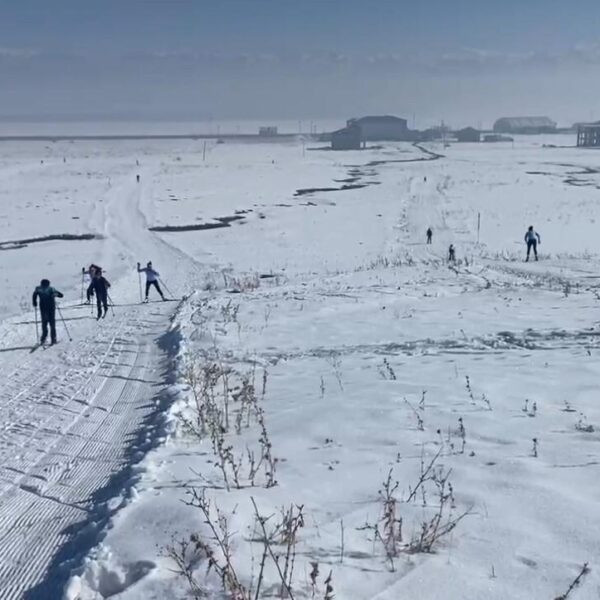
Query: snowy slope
point(377, 357)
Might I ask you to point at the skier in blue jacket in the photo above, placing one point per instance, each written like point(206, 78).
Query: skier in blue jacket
point(532, 239)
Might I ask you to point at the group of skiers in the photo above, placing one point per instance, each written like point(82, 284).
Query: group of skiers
point(532, 239)
point(45, 296)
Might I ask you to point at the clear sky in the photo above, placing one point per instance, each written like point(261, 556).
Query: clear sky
point(465, 61)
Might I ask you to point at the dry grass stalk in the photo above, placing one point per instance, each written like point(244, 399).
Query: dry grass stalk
point(576, 582)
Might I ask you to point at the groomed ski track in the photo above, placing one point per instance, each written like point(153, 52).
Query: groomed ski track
point(73, 432)
point(78, 416)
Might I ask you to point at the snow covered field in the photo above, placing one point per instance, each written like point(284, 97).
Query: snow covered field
point(349, 354)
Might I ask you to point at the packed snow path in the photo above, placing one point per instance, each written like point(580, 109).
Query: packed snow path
point(74, 419)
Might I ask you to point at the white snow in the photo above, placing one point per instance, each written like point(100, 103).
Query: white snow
point(375, 352)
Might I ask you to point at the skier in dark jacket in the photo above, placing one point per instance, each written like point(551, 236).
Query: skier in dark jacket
point(451, 253)
point(152, 278)
point(429, 234)
point(90, 272)
point(46, 295)
point(532, 239)
point(92, 269)
point(99, 286)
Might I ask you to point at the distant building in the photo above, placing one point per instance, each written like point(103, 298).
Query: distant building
point(588, 134)
point(267, 131)
point(431, 134)
point(496, 137)
point(468, 134)
point(382, 128)
point(524, 125)
point(348, 138)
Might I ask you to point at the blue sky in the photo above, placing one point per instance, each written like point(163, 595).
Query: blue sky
point(458, 59)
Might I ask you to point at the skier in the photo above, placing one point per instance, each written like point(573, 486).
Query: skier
point(92, 269)
point(451, 254)
point(90, 272)
point(532, 239)
point(99, 286)
point(137, 178)
point(46, 295)
point(429, 234)
point(152, 278)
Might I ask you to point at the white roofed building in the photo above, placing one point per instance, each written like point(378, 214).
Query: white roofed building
point(524, 125)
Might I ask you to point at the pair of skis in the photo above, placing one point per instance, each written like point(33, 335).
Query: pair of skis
point(44, 345)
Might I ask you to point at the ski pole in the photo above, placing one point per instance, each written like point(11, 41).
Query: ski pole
point(140, 281)
point(37, 331)
point(167, 288)
point(111, 303)
point(64, 323)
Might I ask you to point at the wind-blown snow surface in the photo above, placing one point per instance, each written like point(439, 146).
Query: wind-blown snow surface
point(367, 339)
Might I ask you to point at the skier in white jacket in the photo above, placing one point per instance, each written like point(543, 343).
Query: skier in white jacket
point(152, 278)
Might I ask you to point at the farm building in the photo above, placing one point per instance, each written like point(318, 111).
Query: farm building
point(588, 134)
point(348, 138)
point(381, 128)
point(431, 134)
point(496, 137)
point(268, 131)
point(468, 134)
point(524, 125)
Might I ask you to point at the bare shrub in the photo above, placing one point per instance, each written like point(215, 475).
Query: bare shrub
point(243, 283)
point(463, 434)
point(216, 391)
point(424, 476)
point(229, 312)
point(386, 370)
point(267, 457)
point(442, 522)
point(575, 583)
point(283, 534)
point(391, 523)
point(534, 449)
point(217, 551)
point(329, 587)
point(583, 425)
point(278, 541)
point(186, 554)
point(471, 394)
point(420, 422)
point(336, 365)
point(388, 530)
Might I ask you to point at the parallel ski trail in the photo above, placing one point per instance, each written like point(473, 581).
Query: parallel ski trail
point(67, 432)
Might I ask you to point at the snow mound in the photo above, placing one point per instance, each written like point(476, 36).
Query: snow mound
point(104, 576)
